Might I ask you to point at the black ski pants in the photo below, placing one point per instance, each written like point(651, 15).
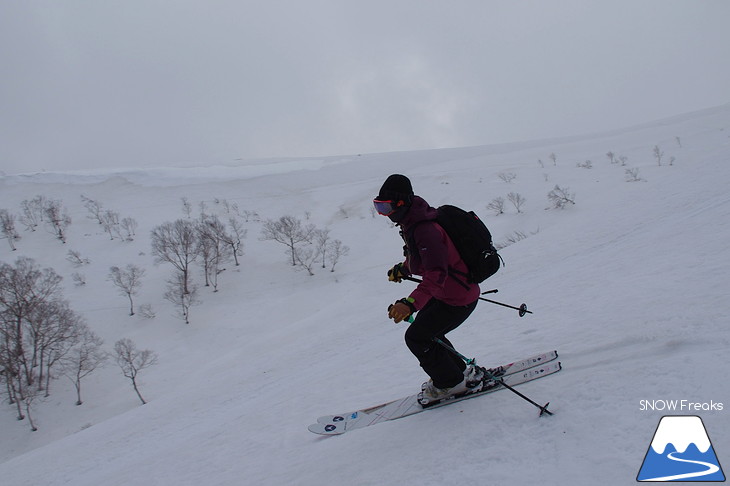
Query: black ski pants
point(434, 321)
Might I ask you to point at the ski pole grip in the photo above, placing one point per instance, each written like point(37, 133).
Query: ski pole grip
point(408, 319)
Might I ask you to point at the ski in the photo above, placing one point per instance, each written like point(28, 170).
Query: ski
point(515, 373)
point(503, 370)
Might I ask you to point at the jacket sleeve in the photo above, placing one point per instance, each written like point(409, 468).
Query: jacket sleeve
point(432, 248)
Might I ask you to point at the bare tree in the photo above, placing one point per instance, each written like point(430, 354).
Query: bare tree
point(24, 288)
point(611, 157)
point(560, 197)
point(228, 207)
point(29, 397)
point(336, 249)
point(554, 158)
point(306, 257)
point(129, 225)
point(146, 311)
point(507, 177)
point(177, 295)
point(58, 218)
point(187, 207)
point(110, 222)
point(53, 329)
point(79, 279)
point(76, 259)
point(658, 154)
point(213, 247)
point(94, 208)
point(176, 243)
point(132, 361)
point(7, 228)
point(32, 212)
point(497, 205)
point(234, 237)
point(288, 231)
point(85, 358)
point(11, 366)
point(37, 328)
point(250, 215)
point(517, 200)
point(321, 239)
point(127, 281)
point(207, 250)
point(632, 175)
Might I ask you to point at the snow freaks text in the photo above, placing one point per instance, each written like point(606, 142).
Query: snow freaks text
point(679, 406)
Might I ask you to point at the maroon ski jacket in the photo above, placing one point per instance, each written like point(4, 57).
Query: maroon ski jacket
point(431, 254)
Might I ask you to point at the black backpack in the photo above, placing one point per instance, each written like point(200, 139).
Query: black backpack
point(472, 240)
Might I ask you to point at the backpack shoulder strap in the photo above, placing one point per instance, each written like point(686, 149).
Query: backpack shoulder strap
point(409, 240)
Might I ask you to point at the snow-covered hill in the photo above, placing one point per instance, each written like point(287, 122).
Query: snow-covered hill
point(629, 285)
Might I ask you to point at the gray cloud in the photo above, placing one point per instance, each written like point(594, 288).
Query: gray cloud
point(139, 83)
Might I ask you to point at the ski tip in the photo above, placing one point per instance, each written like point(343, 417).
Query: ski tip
point(327, 429)
point(556, 353)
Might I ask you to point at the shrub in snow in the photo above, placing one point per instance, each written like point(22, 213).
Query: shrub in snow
point(658, 154)
point(497, 205)
point(517, 200)
point(632, 175)
point(507, 177)
point(7, 228)
point(560, 197)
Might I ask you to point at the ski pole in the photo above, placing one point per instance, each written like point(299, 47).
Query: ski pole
point(472, 361)
point(543, 408)
point(522, 310)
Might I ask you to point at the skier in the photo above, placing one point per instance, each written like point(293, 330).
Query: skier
point(442, 301)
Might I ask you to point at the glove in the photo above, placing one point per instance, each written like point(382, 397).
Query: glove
point(402, 310)
point(397, 273)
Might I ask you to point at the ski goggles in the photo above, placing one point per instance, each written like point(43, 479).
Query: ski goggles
point(386, 208)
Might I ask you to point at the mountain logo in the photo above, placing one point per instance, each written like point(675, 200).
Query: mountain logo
point(681, 451)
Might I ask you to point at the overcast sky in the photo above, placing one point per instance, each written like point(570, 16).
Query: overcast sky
point(139, 83)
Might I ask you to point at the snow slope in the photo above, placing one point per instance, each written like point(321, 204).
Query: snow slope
point(629, 284)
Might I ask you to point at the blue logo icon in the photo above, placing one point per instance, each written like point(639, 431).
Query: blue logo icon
point(681, 451)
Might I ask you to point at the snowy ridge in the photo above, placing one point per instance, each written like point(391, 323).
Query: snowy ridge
point(172, 176)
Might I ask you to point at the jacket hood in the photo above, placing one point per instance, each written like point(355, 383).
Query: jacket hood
point(419, 211)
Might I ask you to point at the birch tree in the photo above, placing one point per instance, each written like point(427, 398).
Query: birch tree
point(176, 243)
point(85, 358)
point(7, 228)
point(127, 281)
point(288, 231)
point(131, 361)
